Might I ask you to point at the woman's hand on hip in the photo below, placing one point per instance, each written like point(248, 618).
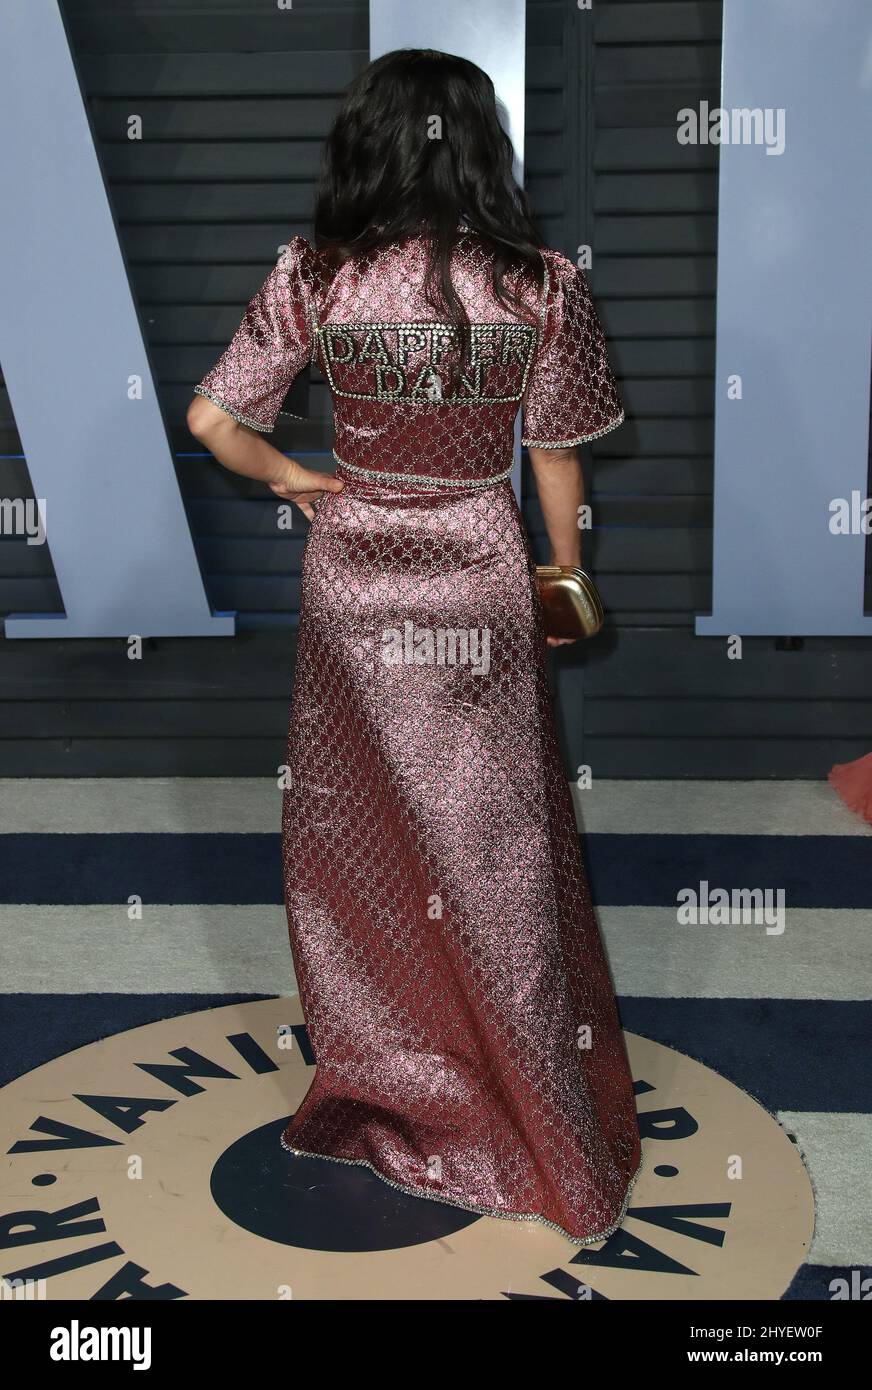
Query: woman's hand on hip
point(304, 486)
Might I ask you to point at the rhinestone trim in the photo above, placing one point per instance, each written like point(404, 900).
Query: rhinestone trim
point(236, 414)
point(423, 479)
point(470, 1206)
point(521, 330)
point(568, 443)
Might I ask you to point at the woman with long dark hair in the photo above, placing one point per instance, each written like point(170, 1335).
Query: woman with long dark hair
point(450, 967)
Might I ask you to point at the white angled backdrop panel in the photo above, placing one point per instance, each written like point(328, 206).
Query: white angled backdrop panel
point(73, 358)
point(794, 313)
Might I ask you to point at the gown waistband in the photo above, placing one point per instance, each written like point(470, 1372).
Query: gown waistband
point(421, 480)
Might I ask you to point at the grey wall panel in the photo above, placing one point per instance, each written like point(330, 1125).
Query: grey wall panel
point(794, 322)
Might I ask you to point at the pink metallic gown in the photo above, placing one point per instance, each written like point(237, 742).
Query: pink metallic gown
point(450, 966)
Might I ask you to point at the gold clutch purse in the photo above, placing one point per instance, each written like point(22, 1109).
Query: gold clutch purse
point(570, 601)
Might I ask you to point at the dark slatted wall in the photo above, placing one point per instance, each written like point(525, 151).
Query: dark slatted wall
point(235, 99)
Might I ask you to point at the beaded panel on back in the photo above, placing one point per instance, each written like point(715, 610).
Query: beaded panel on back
point(403, 399)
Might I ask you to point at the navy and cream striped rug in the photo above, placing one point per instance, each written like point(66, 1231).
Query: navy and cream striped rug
point(125, 902)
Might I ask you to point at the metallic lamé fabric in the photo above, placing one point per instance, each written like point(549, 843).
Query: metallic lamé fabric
point(454, 983)
point(380, 343)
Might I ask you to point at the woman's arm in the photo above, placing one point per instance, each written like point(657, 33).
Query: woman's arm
point(560, 485)
point(245, 451)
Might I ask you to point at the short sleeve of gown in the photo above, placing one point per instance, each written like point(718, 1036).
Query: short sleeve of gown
point(269, 348)
point(571, 395)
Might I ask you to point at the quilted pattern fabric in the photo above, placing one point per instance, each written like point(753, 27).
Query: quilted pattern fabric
point(454, 983)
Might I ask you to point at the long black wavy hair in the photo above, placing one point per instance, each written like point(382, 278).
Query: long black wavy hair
point(390, 170)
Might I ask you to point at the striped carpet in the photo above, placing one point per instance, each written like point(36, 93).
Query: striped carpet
point(784, 1015)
